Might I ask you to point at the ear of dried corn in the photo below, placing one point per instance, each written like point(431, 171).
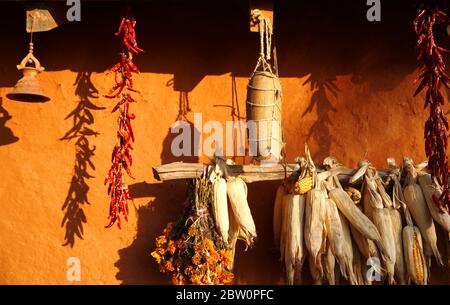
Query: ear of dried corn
point(278, 215)
point(348, 249)
point(315, 272)
point(417, 205)
point(397, 227)
point(357, 219)
point(233, 234)
point(335, 236)
point(358, 266)
point(414, 256)
point(382, 220)
point(431, 189)
point(315, 230)
point(220, 208)
point(366, 246)
point(329, 263)
point(294, 253)
point(237, 193)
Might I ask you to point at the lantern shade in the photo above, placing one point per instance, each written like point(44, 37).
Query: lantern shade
point(28, 89)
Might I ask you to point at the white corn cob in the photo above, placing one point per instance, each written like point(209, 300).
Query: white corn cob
point(315, 230)
point(315, 272)
point(233, 234)
point(294, 253)
point(357, 218)
point(382, 220)
point(397, 227)
point(358, 265)
point(335, 236)
point(431, 189)
point(277, 215)
point(348, 248)
point(220, 208)
point(414, 257)
point(417, 205)
point(237, 193)
point(366, 246)
point(329, 263)
point(284, 226)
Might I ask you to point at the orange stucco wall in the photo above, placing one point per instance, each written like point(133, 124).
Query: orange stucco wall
point(347, 92)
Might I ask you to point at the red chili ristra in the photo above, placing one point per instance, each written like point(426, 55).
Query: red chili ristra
point(121, 156)
point(432, 77)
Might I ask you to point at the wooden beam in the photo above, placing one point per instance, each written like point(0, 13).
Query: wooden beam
point(249, 173)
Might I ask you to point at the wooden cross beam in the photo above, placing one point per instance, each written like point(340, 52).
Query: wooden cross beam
point(249, 173)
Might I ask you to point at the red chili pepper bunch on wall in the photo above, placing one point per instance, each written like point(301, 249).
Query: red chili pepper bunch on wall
point(121, 155)
point(432, 77)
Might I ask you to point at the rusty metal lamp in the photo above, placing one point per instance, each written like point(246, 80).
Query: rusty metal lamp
point(28, 88)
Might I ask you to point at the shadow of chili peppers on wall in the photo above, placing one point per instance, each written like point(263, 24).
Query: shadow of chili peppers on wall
point(320, 130)
point(6, 134)
point(77, 195)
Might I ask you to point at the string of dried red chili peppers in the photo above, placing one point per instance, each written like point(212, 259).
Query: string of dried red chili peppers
point(121, 155)
point(432, 76)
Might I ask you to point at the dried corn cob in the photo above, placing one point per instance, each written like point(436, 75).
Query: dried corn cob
point(315, 272)
point(315, 230)
point(348, 249)
point(278, 215)
point(329, 262)
point(431, 189)
point(382, 220)
point(335, 236)
point(294, 253)
point(397, 227)
point(237, 193)
point(366, 246)
point(357, 218)
point(303, 185)
point(233, 234)
point(354, 194)
point(417, 205)
point(220, 208)
point(414, 257)
point(358, 266)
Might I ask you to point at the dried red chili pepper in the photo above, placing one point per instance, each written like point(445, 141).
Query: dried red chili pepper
point(432, 78)
point(121, 156)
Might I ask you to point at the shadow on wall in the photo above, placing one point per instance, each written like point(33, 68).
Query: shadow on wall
point(81, 132)
point(6, 134)
point(135, 264)
point(322, 85)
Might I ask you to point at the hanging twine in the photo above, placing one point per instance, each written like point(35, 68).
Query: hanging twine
point(265, 40)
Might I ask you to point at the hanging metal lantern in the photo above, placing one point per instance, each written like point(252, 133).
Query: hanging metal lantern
point(28, 88)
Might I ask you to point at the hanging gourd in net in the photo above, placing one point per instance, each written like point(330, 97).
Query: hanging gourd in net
point(264, 100)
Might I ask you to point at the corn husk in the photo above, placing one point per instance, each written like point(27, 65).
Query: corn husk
point(315, 230)
point(335, 236)
point(417, 205)
point(348, 249)
point(278, 215)
point(358, 266)
point(414, 256)
point(237, 193)
point(220, 208)
point(316, 274)
point(357, 219)
point(429, 190)
point(397, 228)
point(233, 234)
point(294, 254)
point(366, 246)
point(382, 220)
point(329, 263)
